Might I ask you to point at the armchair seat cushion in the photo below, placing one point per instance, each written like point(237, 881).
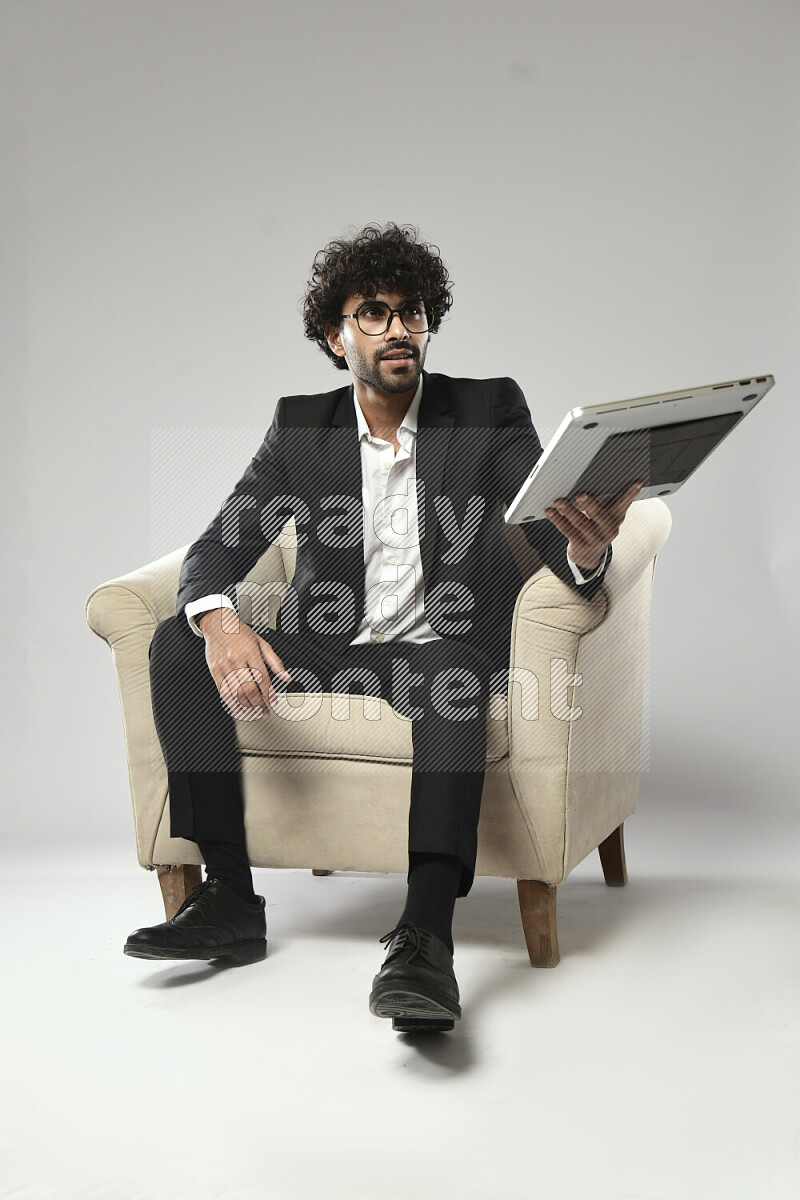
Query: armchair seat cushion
point(324, 725)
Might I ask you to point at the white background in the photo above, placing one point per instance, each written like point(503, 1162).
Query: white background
point(622, 177)
point(619, 179)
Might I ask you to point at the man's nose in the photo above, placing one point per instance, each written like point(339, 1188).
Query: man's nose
point(396, 328)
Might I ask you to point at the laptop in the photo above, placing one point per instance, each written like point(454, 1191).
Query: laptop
point(662, 439)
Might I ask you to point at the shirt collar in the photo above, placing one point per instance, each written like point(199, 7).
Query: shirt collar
point(408, 422)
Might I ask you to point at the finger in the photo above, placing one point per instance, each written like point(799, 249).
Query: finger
point(561, 522)
point(259, 691)
point(248, 692)
point(628, 493)
point(578, 545)
point(589, 504)
point(579, 519)
point(250, 686)
point(602, 517)
point(594, 532)
point(241, 693)
point(273, 660)
point(621, 503)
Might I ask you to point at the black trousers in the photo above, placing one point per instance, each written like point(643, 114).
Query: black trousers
point(442, 686)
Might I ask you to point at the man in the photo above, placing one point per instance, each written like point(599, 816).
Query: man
point(397, 483)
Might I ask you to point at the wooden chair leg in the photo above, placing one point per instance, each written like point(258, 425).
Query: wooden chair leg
point(176, 883)
point(612, 858)
point(316, 872)
point(537, 906)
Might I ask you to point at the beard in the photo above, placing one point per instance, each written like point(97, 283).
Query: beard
point(374, 371)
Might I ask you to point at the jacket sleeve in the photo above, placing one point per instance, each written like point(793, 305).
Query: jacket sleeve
point(516, 449)
point(251, 517)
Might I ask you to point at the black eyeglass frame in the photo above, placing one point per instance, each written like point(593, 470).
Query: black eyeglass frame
point(392, 313)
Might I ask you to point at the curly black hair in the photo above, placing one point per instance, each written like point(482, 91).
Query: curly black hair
point(376, 259)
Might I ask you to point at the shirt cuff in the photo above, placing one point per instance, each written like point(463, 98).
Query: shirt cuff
point(195, 607)
point(578, 574)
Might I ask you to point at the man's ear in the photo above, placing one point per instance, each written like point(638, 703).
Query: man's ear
point(334, 340)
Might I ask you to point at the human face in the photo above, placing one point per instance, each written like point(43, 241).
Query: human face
point(389, 362)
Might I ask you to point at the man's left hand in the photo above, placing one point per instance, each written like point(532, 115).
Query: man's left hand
point(590, 524)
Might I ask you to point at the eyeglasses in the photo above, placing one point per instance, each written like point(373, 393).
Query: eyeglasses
point(374, 317)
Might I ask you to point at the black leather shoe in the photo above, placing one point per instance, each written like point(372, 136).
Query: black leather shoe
point(416, 986)
point(213, 922)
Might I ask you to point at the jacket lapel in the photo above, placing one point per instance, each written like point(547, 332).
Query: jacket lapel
point(434, 426)
point(346, 457)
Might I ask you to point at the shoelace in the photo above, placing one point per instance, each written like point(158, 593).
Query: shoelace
point(406, 934)
point(196, 891)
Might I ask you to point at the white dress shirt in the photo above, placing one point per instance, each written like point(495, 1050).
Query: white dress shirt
point(393, 582)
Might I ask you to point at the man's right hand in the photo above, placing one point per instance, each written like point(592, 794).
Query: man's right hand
point(240, 662)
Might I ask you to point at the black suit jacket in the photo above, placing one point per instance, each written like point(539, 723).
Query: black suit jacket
point(475, 447)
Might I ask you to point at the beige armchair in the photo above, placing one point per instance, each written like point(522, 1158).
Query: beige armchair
point(327, 787)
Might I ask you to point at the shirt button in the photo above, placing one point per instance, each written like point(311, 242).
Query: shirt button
point(378, 637)
point(392, 559)
point(387, 464)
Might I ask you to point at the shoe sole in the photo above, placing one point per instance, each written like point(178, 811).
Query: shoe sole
point(414, 1012)
point(421, 1025)
point(238, 955)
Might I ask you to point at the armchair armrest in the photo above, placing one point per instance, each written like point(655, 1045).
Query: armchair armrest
point(145, 596)
point(644, 531)
point(125, 613)
point(575, 701)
